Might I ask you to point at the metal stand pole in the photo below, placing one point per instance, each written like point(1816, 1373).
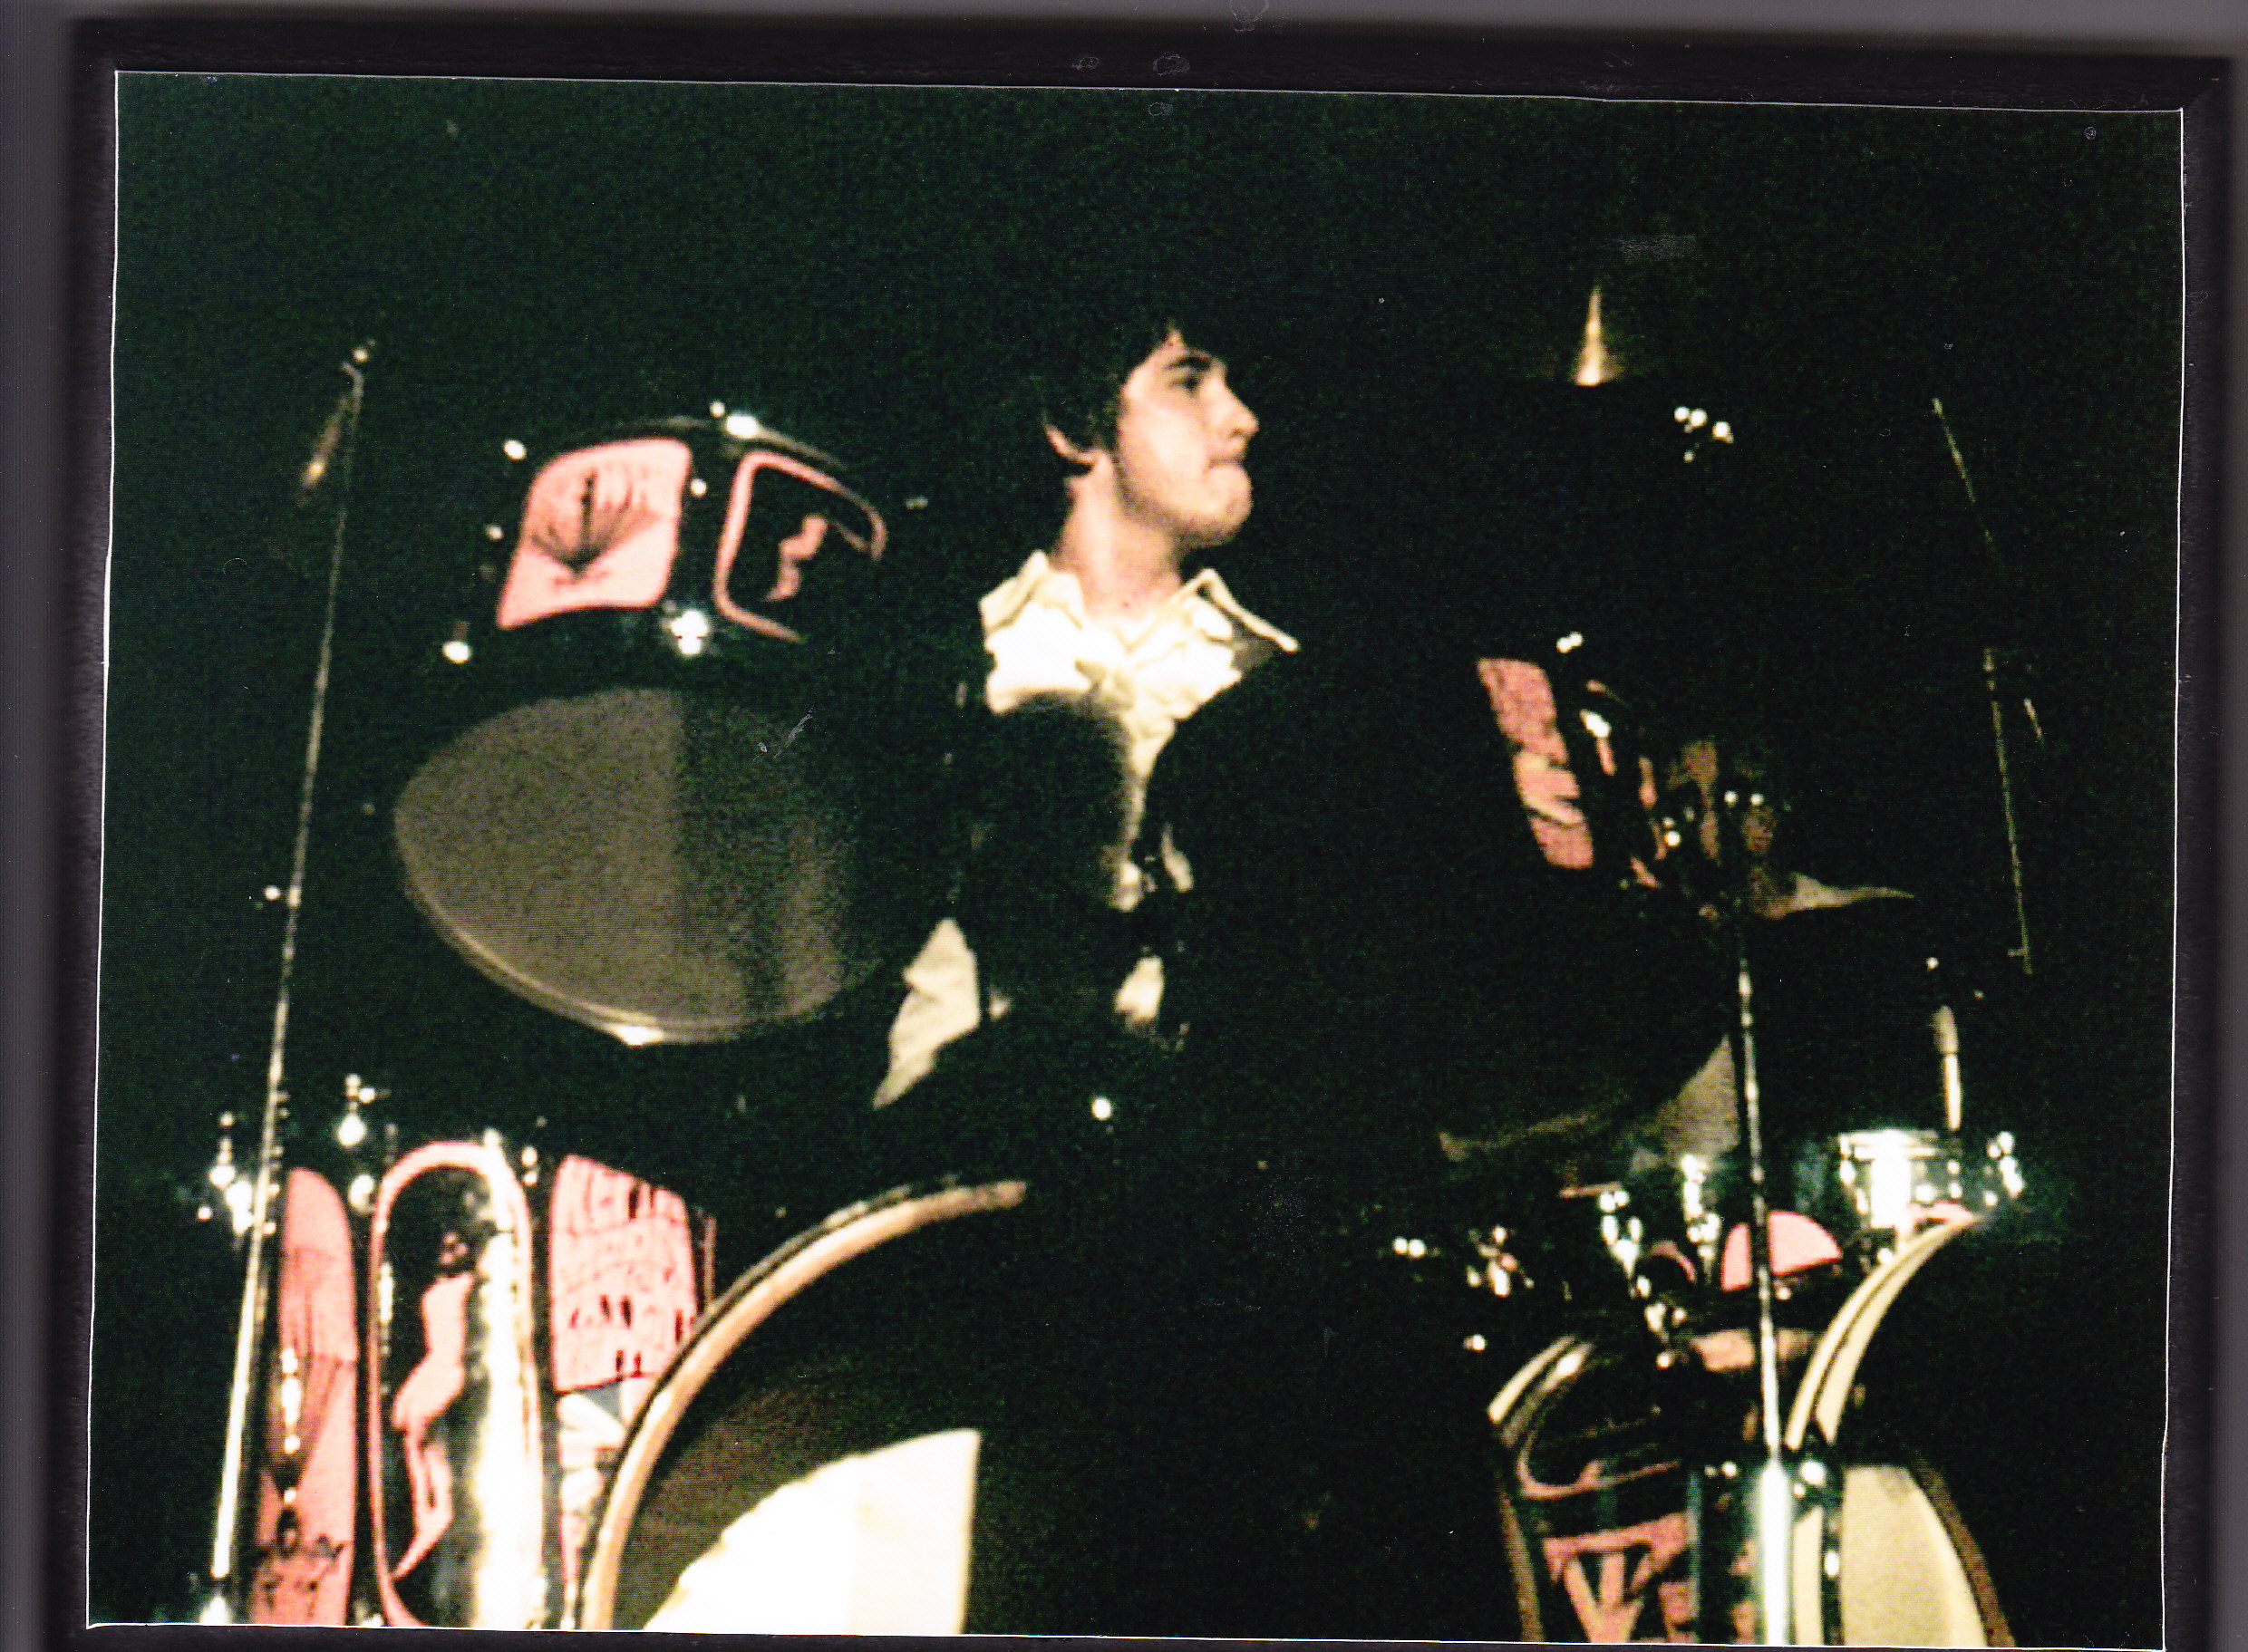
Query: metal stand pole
point(2020, 949)
point(266, 1184)
point(1772, 1516)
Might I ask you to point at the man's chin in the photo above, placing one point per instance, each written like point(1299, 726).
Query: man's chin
point(1221, 525)
point(1209, 537)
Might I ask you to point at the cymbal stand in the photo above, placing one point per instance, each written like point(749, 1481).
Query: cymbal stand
point(1771, 1521)
point(335, 451)
point(1991, 659)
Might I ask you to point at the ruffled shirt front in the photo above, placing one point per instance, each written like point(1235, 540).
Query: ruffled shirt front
point(1198, 644)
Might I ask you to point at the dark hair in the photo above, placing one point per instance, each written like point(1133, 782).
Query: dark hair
point(1096, 314)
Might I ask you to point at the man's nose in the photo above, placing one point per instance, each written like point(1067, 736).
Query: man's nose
point(1238, 420)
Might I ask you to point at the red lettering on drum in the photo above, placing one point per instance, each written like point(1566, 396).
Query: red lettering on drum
point(622, 1276)
point(1610, 1575)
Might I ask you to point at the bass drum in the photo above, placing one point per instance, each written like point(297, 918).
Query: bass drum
point(1979, 1464)
point(1994, 1380)
point(1020, 1407)
point(869, 1462)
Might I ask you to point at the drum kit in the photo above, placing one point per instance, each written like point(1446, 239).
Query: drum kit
point(482, 1383)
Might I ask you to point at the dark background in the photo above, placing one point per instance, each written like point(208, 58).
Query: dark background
point(1404, 282)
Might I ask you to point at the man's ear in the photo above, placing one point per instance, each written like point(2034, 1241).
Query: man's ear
point(1083, 457)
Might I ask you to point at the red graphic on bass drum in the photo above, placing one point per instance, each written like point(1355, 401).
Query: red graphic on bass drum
point(428, 1392)
point(306, 1492)
point(1612, 1576)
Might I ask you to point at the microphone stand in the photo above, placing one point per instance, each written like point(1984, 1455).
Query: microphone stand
point(337, 443)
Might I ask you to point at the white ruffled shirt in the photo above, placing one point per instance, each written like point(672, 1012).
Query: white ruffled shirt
point(1186, 654)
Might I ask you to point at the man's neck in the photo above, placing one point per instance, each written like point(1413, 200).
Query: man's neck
point(1124, 569)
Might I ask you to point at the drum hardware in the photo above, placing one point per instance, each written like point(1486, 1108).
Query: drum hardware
point(234, 1191)
point(1991, 659)
point(254, 1215)
point(1704, 1225)
point(350, 1135)
point(1946, 1027)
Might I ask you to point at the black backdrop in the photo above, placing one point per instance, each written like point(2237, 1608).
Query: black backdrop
point(1405, 282)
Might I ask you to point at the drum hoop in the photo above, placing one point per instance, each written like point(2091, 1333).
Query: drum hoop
point(748, 1303)
point(1545, 1372)
point(1828, 1382)
point(1825, 1391)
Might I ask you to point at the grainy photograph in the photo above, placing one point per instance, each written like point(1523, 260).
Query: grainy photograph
point(1168, 861)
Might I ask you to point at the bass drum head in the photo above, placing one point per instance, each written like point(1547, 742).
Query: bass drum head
point(784, 1379)
point(661, 865)
point(987, 1408)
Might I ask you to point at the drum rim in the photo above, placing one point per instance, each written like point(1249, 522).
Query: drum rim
point(1824, 1395)
point(1548, 1370)
point(1823, 1392)
point(747, 1304)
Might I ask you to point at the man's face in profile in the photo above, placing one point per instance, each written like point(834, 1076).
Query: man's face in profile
point(1181, 434)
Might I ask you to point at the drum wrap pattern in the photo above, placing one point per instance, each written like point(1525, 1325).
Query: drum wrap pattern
point(307, 1494)
point(1626, 1508)
point(497, 1408)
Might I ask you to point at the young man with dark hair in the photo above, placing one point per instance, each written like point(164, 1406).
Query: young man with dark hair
point(1147, 442)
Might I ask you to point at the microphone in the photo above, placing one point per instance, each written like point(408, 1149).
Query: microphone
point(331, 436)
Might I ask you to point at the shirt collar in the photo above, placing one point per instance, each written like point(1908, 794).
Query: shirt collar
point(1040, 582)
